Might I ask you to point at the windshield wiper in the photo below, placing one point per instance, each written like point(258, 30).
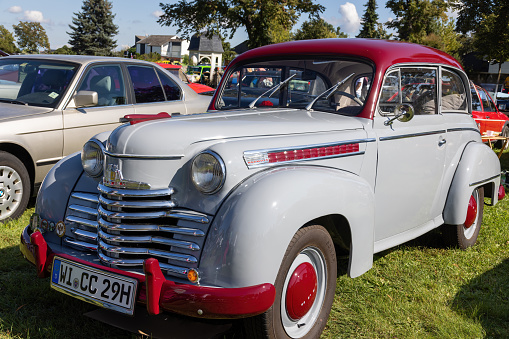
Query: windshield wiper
point(12, 101)
point(329, 91)
point(273, 89)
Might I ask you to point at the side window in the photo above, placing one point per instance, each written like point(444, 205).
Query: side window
point(476, 103)
point(454, 96)
point(487, 104)
point(230, 98)
point(171, 89)
point(107, 81)
point(412, 86)
point(146, 85)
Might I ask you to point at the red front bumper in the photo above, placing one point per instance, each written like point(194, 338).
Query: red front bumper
point(160, 294)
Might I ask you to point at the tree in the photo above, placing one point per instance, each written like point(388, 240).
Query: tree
point(416, 19)
point(371, 28)
point(228, 53)
point(64, 50)
point(471, 13)
point(31, 37)
point(7, 41)
point(92, 29)
point(317, 28)
point(259, 18)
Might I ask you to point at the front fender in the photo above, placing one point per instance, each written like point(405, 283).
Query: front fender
point(478, 166)
point(251, 231)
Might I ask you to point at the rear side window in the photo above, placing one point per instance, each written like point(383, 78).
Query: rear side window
point(146, 85)
point(454, 96)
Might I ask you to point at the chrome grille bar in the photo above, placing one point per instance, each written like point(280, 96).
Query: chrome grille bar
point(85, 234)
point(194, 232)
point(196, 217)
point(80, 244)
point(86, 197)
point(137, 204)
point(135, 193)
point(83, 209)
point(149, 240)
point(82, 221)
point(137, 251)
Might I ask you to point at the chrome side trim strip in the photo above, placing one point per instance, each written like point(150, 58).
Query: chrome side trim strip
point(78, 220)
point(463, 129)
point(194, 232)
point(137, 204)
point(88, 235)
point(144, 156)
point(302, 160)
point(85, 196)
point(484, 181)
point(135, 250)
point(412, 135)
point(201, 218)
point(80, 244)
point(83, 209)
point(339, 143)
point(149, 240)
point(135, 193)
point(50, 161)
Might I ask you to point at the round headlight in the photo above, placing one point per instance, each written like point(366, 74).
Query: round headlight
point(92, 158)
point(208, 172)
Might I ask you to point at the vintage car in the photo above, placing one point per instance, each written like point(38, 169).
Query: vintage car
point(177, 71)
point(489, 119)
point(50, 105)
point(243, 211)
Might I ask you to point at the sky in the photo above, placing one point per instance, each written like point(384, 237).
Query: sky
point(140, 18)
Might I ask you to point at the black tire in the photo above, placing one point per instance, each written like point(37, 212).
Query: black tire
point(311, 245)
point(14, 187)
point(465, 236)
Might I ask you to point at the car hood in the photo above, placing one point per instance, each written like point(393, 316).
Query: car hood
point(10, 111)
point(171, 137)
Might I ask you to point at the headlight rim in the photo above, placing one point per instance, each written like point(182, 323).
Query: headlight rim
point(103, 156)
point(223, 170)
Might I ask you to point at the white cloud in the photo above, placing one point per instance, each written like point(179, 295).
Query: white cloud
point(157, 14)
point(349, 21)
point(33, 16)
point(15, 9)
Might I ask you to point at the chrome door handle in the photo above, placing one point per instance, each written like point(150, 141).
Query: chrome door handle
point(442, 142)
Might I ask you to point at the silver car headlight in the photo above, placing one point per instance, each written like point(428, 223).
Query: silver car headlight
point(208, 172)
point(92, 158)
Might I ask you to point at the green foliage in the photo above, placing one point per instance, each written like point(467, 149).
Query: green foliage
point(92, 29)
point(7, 41)
point(371, 28)
point(471, 13)
point(31, 37)
point(64, 50)
point(260, 18)
point(445, 38)
point(416, 19)
point(152, 56)
point(317, 28)
point(228, 53)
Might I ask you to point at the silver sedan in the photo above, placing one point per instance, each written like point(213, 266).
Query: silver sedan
point(50, 105)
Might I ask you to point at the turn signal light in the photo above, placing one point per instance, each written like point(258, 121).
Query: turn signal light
point(501, 192)
point(193, 276)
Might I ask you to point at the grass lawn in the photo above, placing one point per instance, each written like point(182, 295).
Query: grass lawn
point(418, 290)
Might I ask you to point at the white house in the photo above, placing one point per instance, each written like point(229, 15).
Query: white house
point(168, 46)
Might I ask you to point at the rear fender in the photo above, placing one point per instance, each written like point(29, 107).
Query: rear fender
point(251, 231)
point(479, 166)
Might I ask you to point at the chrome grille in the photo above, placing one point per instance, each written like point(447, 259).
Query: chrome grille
point(133, 225)
point(81, 221)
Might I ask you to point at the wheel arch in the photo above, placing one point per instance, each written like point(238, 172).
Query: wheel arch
point(478, 167)
point(24, 156)
point(253, 228)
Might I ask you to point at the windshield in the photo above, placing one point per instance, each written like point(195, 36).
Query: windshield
point(338, 86)
point(34, 82)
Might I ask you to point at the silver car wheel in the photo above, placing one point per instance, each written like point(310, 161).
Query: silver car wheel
point(296, 328)
point(11, 191)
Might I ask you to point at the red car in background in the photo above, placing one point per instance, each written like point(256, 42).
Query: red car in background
point(177, 70)
point(490, 120)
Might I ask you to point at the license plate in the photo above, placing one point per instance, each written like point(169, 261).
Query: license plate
point(102, 288)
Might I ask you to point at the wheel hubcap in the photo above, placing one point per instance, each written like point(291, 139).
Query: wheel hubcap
point(303, 292)
point(11, 191)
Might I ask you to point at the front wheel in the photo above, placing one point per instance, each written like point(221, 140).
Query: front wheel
point(14, 187)
point(305, 287)
point(465, 235)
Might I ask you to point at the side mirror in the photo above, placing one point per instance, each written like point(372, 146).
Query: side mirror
point(86, 99)
point(403, 113)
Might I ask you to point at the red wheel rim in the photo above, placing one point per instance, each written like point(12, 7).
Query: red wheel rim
point(471, 212)
point(301, 291)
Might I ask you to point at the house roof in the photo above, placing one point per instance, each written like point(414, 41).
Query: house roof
point(200, 43)
point(158, 40)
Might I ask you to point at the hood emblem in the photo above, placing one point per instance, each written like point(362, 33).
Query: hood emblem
point(113, 178)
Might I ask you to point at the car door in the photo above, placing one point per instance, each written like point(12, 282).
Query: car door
point(81, 123)
point(155, 91)
point(411, 155)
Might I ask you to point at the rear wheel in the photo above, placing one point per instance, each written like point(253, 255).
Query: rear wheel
point(305, 287)
point(465, 235)
point(14, 187)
